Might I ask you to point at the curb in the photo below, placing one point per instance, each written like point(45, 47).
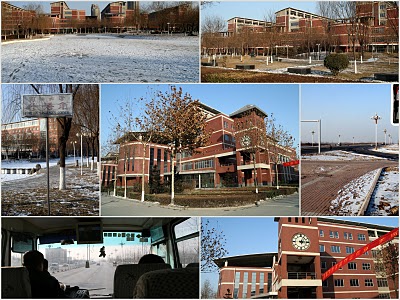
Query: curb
point(367, 199)
point(25, 41)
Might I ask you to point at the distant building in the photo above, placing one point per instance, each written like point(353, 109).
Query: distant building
point(56, 255)
point(308, 247)
point(122, 13)
point(237, 24)
point(95, 11)
point(15, 21)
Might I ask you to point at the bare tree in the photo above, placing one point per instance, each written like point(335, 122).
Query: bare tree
point(213, 246)
point(180, 123)
point(250, 132)
point(386, 264)
point(207, 290)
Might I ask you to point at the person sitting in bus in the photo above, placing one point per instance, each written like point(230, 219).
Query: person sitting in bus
point(42, 285)
point(151, 259)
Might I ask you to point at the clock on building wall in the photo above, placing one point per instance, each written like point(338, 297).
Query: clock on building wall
point(300, 241)
point(245, 141)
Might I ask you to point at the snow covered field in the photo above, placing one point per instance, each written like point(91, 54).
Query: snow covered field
point(393, 148)
point(339, 155)
point(102, 58)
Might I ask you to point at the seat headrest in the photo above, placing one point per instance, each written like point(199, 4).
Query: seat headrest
point(15, 283)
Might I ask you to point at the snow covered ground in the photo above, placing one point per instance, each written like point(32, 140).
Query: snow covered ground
point(24, 164)
point(351, 197)
point(386, 194)
point(393, 148)
point(102, 58)
point(339, 156)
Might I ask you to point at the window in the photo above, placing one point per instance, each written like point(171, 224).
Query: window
point(253, 283)
point(348, 236)
point(325, 283)
point(226, 124)
point(354, 282)
point(366, 266)
point(187, 241)
point(382, 282)
point(151, 163)
point(20, 243)
point(339, 282)
point(352, 266)
point(349, 250)
point(261, 283)
point(333, 234)
point(245, 281)
point(321, 233)
point(158, 159)
point(384, 296)
point(321, 248)
point(369, 282)
point(361, 237)
point(334, 263)
point(208, 163)
point(323, 264)
point(236, 289)
point(335, 249)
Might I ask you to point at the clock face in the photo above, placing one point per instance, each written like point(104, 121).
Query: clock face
point(300, 241)
point(245, 141)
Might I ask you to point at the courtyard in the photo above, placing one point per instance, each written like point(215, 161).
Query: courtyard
point(101, 58)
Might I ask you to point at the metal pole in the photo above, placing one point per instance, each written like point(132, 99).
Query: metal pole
point(47, 166)
point(319, 139)
point(81, 155)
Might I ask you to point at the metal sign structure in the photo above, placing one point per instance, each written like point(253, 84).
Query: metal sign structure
point(379, 241)
point(47, 106)
point(291, 163)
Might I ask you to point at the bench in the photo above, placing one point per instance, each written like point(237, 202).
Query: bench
point(245, 67)
point(298, 70)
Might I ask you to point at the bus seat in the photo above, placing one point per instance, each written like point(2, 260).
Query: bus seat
point(193, 265)
point(163, 284)
point(15, 283)
point(126, 276)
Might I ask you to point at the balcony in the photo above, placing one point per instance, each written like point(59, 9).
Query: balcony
point(296, 279)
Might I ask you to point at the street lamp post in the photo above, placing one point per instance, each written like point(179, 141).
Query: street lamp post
point(312, 138)
point(353, 140)
point(73, 144)
point(385, 131)
point(376, 118)
point(390, 138)
point(339, 140)
point(168, 27)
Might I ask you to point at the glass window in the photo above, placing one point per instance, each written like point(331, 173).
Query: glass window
point(321, 248)
point(352, 266)
point(323, 264)
point(349, 250)
point(333, 234)
point(335, 249)
point(261, 283)
point(187, 237)
point(348, 236)
point(321, 233)
point(382, 282)
point(236, 289)
point(366, 266)
point(354, 282)
point(253, 283)
point(339, 282)
point(369, 282)
point(361, 237)
point(384, 296)
point(245, 281)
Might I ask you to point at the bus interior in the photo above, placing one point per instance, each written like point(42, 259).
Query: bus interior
point(101, 256)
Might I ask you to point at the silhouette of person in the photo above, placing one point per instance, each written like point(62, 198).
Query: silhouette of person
point(151, 259)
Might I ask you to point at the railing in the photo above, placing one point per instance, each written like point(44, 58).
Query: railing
point(301, 275)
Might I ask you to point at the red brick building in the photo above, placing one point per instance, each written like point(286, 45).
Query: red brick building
point(122, 13)
point(26, 138)
point(238, 24)
point(15, 21)
point(224, 161)
point(307, 247)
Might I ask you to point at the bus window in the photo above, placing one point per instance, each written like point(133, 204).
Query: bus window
point(81, 264)
point(187, 241)
point(21, 243)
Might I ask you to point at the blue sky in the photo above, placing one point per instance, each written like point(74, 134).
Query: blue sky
point(260, 234)
point(280, 99)
point(346, 109)
point(253, 9)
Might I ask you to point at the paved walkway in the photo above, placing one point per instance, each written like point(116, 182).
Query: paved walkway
point(116, 206)
point(321, 181)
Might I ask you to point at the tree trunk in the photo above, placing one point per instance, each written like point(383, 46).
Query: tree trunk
point(143, 173)
point(172, 178)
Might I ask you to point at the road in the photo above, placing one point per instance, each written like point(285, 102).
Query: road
point(96, 277)
point(116, 206)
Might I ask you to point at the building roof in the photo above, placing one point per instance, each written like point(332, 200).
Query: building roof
point(209, 108)
point(249, 19)
point(302, 11)
point(262, 260)
point(248, 108)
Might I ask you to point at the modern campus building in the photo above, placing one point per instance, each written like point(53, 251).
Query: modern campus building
point(308, 247)
point(224, 161)
point(374, 27)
